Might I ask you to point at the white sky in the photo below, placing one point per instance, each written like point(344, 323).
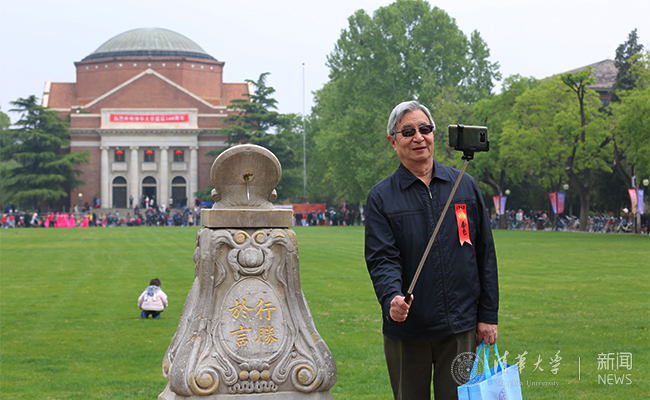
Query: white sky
point(41, 39)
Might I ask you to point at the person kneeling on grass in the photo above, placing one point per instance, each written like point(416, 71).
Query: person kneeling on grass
point(153, 300)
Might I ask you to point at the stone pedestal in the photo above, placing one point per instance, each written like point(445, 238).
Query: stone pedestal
point(246, 331)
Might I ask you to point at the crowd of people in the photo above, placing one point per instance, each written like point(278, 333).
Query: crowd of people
point(91, 217)
point(328, 218)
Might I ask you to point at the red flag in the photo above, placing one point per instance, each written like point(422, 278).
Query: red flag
point(633, 198)
point(553, 198)
point(463, 226)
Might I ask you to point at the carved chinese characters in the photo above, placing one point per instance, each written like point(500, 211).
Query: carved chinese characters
point(246, 328)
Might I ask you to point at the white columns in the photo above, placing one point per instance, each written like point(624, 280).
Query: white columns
point(163, 197)
point(134, 175)
point(103, 182)
point(194, 175)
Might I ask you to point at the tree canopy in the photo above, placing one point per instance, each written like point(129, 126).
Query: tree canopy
point(624, 61)
point(255, 114)
point(256, 122)
point(41, 172)
point(631, 133)
point(405, 51)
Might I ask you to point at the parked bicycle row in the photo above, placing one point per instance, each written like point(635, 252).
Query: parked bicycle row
point(598, 223)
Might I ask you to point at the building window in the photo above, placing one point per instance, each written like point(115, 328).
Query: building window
point(149, 156)
point(178, 156)
point(119, 155)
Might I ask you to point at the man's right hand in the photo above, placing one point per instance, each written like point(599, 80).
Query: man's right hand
point(399, 309)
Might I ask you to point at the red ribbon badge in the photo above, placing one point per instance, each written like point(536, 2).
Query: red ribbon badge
point(463, 227)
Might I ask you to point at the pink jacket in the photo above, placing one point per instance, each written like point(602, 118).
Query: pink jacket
point(157, 302)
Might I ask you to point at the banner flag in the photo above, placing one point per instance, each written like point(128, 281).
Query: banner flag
point(560, 202)
point(497, 206)
point(503, 204)
point(461, 220)
point(553, 197)
point(632, 193)
point(639, 200)
point(149, 117)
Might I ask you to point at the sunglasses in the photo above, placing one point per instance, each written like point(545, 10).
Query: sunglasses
point(424, 130)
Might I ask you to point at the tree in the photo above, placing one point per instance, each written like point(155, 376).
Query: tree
point(494, 112)
point(624, 61)
point(533, 144)
point(586, 151)
point(286, 144)
point(255, 115)
point(631, 133)
point(5, 166)
point(405, 51)
point(42, 173)
point(481, 73)
point(557, 132)
point(254, 122)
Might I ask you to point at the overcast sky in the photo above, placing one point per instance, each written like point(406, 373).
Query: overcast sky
point(41, 40)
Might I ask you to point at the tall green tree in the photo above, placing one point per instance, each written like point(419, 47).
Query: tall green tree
point(43, 172)
point(557, 134)
point(624, 61)
point(631, 133)
point(589, 141)
point(481, 73)
point(405, 51)
point(494, 112)
point(256, 122)
point(254, 114)
point(5, 166)
point(286, 144)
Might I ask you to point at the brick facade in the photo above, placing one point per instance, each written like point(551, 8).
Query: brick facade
point(117, 103)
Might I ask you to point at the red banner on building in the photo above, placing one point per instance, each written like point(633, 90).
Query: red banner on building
point(150, 117)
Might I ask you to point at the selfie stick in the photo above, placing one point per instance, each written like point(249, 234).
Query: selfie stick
point(468, 155)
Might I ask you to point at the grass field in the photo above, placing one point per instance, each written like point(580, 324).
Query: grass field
point(70, 326)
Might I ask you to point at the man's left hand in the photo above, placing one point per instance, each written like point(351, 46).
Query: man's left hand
point(486, 332)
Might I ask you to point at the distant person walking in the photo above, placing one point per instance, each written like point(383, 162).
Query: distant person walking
point(153, 300)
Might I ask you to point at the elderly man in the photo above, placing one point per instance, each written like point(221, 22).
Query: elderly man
point(456, 299)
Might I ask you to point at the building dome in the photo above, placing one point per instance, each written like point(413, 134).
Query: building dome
point(149, 42)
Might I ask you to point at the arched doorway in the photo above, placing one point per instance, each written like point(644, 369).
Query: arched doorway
point(179, 192)
point(149, 185)
point(119, 192)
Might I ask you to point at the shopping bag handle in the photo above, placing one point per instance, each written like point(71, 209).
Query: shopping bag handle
point(486, 364)
point(496, 351)
point(485, 348)
point(472, 374)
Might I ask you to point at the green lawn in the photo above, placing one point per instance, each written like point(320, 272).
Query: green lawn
point(70, 326)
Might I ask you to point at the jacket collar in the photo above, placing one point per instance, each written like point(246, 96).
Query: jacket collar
point(406, 177)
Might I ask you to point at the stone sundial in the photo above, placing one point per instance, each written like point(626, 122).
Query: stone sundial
point(246, 331)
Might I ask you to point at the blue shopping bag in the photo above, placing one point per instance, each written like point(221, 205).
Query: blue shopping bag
point(499, 383)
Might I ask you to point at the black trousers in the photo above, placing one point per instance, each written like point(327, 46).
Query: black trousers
point(410, 364)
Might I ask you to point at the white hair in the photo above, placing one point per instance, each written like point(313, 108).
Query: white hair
point(403, 108)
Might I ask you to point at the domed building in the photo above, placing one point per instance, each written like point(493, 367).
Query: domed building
point(148, 105)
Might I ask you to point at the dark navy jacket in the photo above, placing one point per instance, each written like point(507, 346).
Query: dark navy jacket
point(458, 285)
